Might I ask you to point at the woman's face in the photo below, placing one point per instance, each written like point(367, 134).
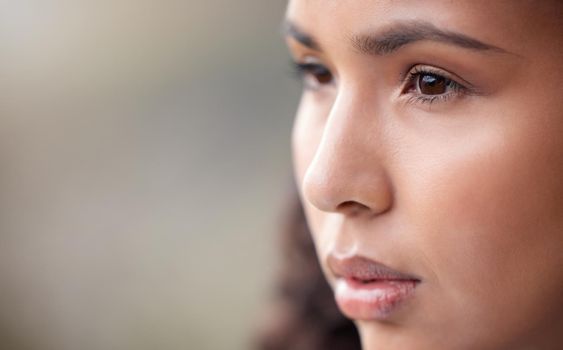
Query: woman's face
point(428, 149)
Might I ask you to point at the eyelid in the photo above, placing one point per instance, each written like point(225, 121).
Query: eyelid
point(426, 68)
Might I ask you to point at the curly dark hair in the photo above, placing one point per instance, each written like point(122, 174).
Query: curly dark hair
point(303, 314)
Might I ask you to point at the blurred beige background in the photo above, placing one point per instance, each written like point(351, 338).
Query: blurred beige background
point(144, 149)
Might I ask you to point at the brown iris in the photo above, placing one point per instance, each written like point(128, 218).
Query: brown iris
point(430, 84)
point(321, 74)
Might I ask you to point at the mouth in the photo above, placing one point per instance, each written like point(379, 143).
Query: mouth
point(368, 290)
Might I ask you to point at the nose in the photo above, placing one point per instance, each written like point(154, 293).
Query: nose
point(347, 172)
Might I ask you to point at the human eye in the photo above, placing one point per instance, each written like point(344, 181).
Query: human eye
point(425, 84)
point(314, 74)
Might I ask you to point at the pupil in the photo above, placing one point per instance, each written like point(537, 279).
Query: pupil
point(430, 84)
point(323, 76)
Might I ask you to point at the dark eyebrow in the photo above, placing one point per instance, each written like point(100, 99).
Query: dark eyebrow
point(292, 30)
point(395, 37)
point(401, 34)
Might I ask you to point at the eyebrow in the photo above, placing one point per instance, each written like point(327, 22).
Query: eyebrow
point(396, 36)
point(292, 30)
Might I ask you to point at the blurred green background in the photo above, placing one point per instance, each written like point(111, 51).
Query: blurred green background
point(145, 158)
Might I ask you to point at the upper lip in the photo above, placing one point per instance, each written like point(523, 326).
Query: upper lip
point(364, 269)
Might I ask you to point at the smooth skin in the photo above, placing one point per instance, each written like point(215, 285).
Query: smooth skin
point(440, 159)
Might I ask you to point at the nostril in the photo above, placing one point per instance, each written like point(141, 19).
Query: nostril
point(352, 208)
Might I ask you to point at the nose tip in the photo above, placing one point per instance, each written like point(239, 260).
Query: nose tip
point(346, 191)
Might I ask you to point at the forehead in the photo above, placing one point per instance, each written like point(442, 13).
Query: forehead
point(515, 24)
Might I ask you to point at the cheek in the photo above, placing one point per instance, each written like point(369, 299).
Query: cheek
point(303, 144)
point(489, 216)
point(306, 135)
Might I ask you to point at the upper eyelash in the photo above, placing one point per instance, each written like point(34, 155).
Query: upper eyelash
point(301, 69)
point(417, 71)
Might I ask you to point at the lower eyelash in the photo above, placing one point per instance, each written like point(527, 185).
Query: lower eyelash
point(431, 99)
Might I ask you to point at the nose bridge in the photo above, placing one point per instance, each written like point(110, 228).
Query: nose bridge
point(347, 172)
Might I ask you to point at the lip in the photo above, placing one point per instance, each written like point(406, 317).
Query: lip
point(368, 290)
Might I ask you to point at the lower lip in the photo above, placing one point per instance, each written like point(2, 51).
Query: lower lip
point(372, 301)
